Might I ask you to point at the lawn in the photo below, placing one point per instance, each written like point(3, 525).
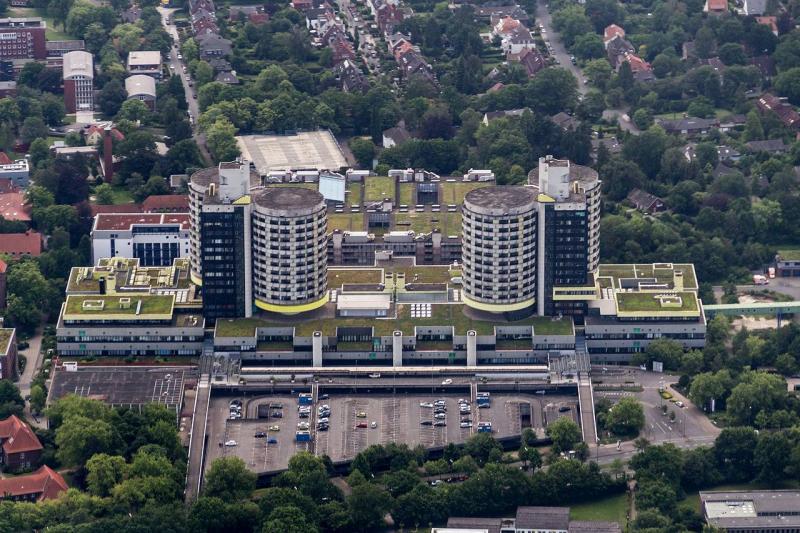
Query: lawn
point(152, 304)
point(549, 326)
point(344, 276)
point(425, 221)
point(789, 253)
point(240, 327)
point(51, 34)
point(379, 187)
point(647, 302)
point(345, 221)
point(121, 195)
point(454, 192)
point(612, 509)
point(406, 194)
point(353, 193)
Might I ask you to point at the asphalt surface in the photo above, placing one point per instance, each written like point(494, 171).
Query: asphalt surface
point(34, 357)
point(177, 68)
point(200, 417)
point(559, 52)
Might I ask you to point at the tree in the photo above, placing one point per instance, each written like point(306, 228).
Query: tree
point(368, 504)
point(772, 457)
point(667, 351)
point(111, 97)
point(104, 194)
point(704, 42)
point(11, 403)
point(221, 141)
point(626, 417)
point(79, 438)
point(709, 386)
point(552, 90)
point(104, 472)
point(33, 128)
point(203, 73)
point(288, 519)
point(134, 110)
point(480, 447)
point(364, 151)
point(38, 398)
point(656, 463)
point(656, 495)
point(530, 456)
point(229, 479)
point(755, 392)
point(588, 46)
point(59, 9)
point(734, 449)
point(564, 433)
point(732, 54)
point(699, 469)
point(23, 315)
point(788, 84)
point(126, 38)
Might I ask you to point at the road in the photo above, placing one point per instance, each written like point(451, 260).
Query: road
point(197, 441)
point(177, 68)
point(559, 52)
point(33, 355)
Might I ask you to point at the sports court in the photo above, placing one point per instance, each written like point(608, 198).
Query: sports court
point(304, 150)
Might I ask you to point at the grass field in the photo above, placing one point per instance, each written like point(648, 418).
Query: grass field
point(378, 188)
point(353, 193)
point(424, 222)
point(346, 221)
point(612, 509)
point(454, 192)
point(51, 33)
point(121, 195)
point(406, 194)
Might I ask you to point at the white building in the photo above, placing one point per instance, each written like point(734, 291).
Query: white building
point(156, 239)
point(78, 75)
point(17, 171)
point(147, 62)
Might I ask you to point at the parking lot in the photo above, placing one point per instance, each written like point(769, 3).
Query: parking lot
point(358, 421)
point(263, 453)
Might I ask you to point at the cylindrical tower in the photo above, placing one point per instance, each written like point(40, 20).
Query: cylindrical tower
point(290, 256)
point(499, 248)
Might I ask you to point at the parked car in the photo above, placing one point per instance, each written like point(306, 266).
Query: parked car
point(361, 414)
point(275, 428)
point(276, 405)
point(426, 423)
point(375, 375)
point(361, 425)
point(440, 416)
point(426, 404)
point(260, 435)
point(447, 381)
point(231, 443)
point(276, 414)
point(373, 425)
point(272, 440)
point(466, 424)
point(563, 409)
point(439, 423)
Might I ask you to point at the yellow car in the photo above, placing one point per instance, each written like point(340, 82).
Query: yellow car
point(274, 428)
point(361, 414)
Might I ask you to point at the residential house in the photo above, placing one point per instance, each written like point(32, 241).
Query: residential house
point(646, 202)
point(228, 78)
point(532, 61)
point(732, 122)
point(505, 26)
point(722, 170)
point(254, 14)
point(564, 121)
point(350, 77)
point(715, 7)
point(388, 17)
point(754, 7)
point(3, 270)
point(18, 245)
point(771, 146)
point(770, 22)
point(44, 484)
point(488, 12)
point(641, 69)
point(494, 115)
point(212, 45)
point(20, 449)
point(146, 62)
point(726, 154)
point(785, 112)
point(616, 50)
point(302, 5)
point(612, 31)
point(518, 40)
point(412, 64)
point(395, 136)
point(93, 135)
point(319, 16)
point(342, 49)
point(690, 126)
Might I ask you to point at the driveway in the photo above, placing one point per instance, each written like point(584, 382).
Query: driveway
point(559, 52)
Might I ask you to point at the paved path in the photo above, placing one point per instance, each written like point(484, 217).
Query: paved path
point(197, 440)
point(194, 109)
point(559, 52)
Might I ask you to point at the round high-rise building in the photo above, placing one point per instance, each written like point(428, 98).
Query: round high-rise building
point(290, 256)
point(499, 248)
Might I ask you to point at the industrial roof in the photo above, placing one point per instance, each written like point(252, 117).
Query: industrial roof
point(125, 221)
point(144, 57)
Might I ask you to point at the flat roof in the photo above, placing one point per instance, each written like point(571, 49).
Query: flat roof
point(126, 221)
point(144, 57)
point(790, 254)
point(305, 150)
point(753, 509)
point(501, 197)
point(657, 303)
point(12, 206)
point(288, 198)
point(124, 386)
point(115, 307)
point(5, 339)
point(363, 301)
point(623, 275)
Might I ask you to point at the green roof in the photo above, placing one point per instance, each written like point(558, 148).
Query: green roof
point(345, 221)
point(544, 325)
point(348, 276)
point(790, 254)
point(454, 192)
point(656, 302)
point(5, 338)
point(239, 327)
point(406, 194)
point(378, 187)
point(426, 221)
point(660, 271)
point(104, 306)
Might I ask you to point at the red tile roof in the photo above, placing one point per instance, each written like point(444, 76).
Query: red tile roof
point(7, 185)
point(4, 159)
point(637, 63)
point(12, 206)
point(166, 202)
point(46, 483)
point(3, 266)
point(612, 31)
point(17, 437)
point(716, 5)
point(119, 208)
point(19, 244)
point(122, 221)
point(507, 25)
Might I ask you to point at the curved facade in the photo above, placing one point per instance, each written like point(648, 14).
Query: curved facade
point(499, 248)
point(290, 255)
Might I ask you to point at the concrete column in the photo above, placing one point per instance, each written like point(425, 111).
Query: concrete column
point(472, 348)
point(397, 348)
point(316, 349)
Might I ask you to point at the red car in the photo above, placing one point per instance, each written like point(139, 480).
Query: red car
point(361, 425)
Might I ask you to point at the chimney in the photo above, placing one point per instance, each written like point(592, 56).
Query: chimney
point(108, 158)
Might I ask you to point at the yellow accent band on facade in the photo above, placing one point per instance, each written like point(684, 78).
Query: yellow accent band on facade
point(195, 279)
point(544, 199)
point(244, 200)
point(497, 308)
point(292, 309)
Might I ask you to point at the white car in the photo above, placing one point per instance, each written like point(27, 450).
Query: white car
point(324, 420)
point(374, 425)
point(302, 425)
point(466, 424)
point(440, 416)
point(426, 404)
point(231, 443)
point(180, 56)
point(448, 381)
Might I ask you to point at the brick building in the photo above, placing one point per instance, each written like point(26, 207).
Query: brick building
point(22, 38)
point(21, 449)
point(44, 484)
